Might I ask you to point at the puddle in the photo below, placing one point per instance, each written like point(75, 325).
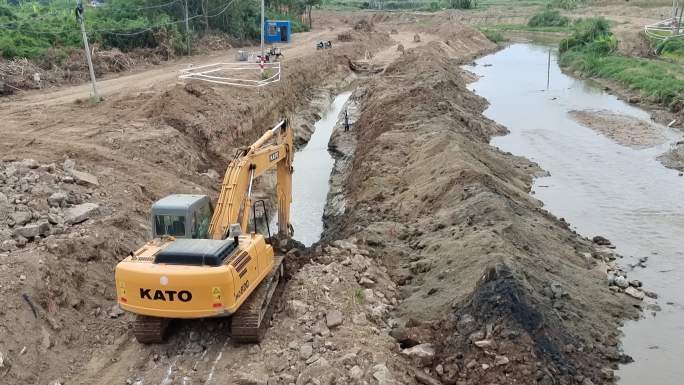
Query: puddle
point(601, 188)
point(310, 181)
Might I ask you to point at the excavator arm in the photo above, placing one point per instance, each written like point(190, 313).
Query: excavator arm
point(248, 164)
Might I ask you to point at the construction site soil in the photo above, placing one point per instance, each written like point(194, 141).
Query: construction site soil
point(436, 266)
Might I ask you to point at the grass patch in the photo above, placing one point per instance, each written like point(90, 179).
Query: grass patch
point(524, 28)
point(591, 50)
point(568, 4)
point(494, 35)
point(462, 4)
point(512, 3)
point(659, 81)
point(548, 18)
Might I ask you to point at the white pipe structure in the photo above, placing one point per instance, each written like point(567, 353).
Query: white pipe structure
point(205, 72)
point(668, 28)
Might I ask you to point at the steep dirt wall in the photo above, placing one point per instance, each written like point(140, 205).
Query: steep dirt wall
point(506, 292)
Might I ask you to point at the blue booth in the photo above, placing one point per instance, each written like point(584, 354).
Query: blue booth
point(277, 31)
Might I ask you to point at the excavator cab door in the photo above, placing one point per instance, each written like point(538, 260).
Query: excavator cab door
point(182, 216)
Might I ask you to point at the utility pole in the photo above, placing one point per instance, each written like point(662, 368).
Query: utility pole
point(262, 29)
point(79, 16)
point(187, 27)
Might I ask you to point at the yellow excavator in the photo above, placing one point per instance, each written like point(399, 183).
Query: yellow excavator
point(201, 264)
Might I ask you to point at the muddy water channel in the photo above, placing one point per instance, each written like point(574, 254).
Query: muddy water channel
point(601, 188)
point(312, 167)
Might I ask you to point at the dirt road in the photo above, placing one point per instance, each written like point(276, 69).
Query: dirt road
point(437, 266)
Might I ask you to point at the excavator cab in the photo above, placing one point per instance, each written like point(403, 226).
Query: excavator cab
point(182, 216)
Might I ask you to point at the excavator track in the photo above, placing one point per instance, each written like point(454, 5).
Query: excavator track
point(250, 322)
point(150, 330)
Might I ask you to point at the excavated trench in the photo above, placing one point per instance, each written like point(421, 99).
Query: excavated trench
point(312, 167)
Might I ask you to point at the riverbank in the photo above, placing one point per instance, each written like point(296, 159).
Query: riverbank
point(602, 183)
point(498, 287)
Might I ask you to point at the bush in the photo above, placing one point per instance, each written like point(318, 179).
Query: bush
point(548, 18)
point(567, 4)
point(603, 45)
point(671, 47)
point(660, 81)
point(493, 35)
point(31, 27)
point(585, 32)
point(462, 4)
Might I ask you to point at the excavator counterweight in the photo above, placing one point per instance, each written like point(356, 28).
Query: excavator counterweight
point(205, 262)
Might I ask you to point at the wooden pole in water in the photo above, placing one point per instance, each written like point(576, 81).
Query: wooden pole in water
point(548, 71)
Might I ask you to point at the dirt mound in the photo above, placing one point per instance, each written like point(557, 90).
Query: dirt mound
point(214, 42)
point(503, 290)
point(363, 25)
point(626, 130)
point(250, 109)
point(674, 158)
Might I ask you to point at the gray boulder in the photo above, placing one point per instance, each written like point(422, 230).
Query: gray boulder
point(84, 178)
point(57, 199)
point(20, 218)
point(28, 231)
point(81, 213)
point(333, 318)
point(423, 353)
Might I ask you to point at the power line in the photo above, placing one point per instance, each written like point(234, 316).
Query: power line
point(116, 31)
point(71, 9)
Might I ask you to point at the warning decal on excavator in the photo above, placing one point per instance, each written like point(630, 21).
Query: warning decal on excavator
point(273, 156)
point(122, 289)
point(216, 293)
point(242, 290)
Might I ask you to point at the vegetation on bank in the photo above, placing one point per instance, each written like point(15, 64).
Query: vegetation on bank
point(494, 35)
point(592, 51)
point(548, 18)
point(49, 29)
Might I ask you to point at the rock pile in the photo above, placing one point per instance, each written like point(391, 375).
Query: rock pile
point(342, 304)
point(616, 276)
point(329, 330)
point(38, 201)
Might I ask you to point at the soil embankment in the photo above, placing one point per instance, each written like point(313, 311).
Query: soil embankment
point(502, 290)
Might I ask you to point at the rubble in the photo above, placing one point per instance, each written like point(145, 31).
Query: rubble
point(333, 318)
point(81, 213)
point(422, 353)
point(635, 293)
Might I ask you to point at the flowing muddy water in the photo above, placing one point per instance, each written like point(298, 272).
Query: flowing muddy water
point(601, 188)
point(312, 167)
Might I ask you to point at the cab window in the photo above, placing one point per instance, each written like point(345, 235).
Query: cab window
point(201, 220)
point(169, 225)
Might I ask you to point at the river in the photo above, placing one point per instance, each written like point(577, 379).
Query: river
point(601, 188)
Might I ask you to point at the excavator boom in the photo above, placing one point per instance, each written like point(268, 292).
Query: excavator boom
point(247, 165)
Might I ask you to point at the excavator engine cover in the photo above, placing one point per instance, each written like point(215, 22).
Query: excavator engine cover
point(196, 252)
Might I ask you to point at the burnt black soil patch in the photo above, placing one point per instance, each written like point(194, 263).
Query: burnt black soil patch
point(503, 299)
